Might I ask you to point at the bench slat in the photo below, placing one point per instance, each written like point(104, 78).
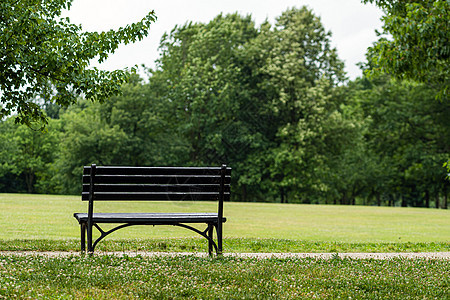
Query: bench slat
point(157, 179)
point(156, 188)
point(123, 170)
point(150, 218)
point(155, 196)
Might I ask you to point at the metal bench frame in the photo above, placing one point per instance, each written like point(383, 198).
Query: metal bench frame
point(108, 183)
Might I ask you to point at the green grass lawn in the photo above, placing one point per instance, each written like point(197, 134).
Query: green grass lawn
point(188, 277)
point(24, 216)
point(45, 223)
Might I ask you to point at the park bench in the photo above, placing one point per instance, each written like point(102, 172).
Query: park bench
point(110, 183)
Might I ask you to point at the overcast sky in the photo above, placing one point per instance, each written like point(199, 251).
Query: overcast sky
point(352, 23)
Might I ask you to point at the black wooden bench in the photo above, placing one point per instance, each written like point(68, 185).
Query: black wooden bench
point(108, 183)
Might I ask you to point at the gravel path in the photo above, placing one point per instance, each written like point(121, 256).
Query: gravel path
point(429, 255)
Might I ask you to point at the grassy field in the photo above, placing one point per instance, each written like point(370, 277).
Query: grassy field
point(45, 223)
point(111, 277)
point(50, 217)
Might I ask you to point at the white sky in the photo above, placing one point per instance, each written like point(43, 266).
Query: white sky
point(352, 23)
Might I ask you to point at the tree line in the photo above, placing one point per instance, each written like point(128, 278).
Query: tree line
point(270, 101)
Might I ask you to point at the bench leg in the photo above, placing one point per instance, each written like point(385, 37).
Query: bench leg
point(89, 238)
point(219, 238)
point(210, 235)
point(83, 236)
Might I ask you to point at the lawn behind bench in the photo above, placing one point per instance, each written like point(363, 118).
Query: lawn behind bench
point(50, 217)
point(39, 222)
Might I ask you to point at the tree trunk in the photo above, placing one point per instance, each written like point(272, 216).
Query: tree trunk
point(427, 199)
point(244, 192)
point(415, 202)
point(444, 205)
point(29, 179)
point(436, 199)
point(404, 203)
point(378, 199)
point(352, 200)
point(284, 195)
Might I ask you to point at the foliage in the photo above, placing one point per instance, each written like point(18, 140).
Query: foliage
point(203, 69)
point(300, 72)
point(270, 101)
point(106, 277)
point(419, 47)
point(44, 56)
point(28, 154)
point(244, 95)
point(408, 132)
point(127, 130)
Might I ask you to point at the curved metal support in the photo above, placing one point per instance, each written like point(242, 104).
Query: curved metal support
point(203, 234)
point(103, 234)
point(207, 233)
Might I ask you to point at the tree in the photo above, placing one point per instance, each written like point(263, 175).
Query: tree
point(87, 138)
point(43, 57)
point(418, 47)
point(129, 129)
point(207, 82)
point(254, 98)
point(147, 121)
point(409, 133)
point(26, 156)
point(299, 74)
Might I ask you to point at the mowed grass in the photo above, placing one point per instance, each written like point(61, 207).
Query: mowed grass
point(46, 223)
point(41, 222)
point(24, 216)
point(188, 277)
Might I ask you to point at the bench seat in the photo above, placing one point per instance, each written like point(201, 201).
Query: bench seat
point(150, 218)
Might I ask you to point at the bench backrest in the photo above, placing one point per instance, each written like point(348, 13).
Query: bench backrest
point(105, 183)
